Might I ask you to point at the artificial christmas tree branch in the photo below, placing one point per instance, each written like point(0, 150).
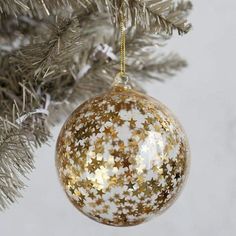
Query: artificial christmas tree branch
point(54, 53)
point(16, 160)
point(158, 15)
point(41, 60)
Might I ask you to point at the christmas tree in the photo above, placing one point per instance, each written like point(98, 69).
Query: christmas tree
point(54, 53)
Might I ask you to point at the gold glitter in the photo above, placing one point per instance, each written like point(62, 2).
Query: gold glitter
point(122, 157)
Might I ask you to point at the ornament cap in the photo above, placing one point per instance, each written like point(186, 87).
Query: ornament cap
point(122, 80)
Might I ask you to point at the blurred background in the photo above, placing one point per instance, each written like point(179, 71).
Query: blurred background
point(203, 98)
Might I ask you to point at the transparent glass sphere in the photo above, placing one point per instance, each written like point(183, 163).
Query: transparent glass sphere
point(122, 157)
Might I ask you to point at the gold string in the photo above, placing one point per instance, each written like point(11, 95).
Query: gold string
point(122, 39)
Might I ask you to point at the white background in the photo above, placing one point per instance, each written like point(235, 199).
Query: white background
point(203, 98)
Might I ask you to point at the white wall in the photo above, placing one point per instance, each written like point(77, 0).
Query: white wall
point(204, 99)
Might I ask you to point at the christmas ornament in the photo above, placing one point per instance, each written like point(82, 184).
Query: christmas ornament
point(122, 157)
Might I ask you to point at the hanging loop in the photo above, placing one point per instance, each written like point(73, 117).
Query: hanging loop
point(122, 39)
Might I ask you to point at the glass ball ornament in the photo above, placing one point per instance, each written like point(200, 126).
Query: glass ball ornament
point(122, 157)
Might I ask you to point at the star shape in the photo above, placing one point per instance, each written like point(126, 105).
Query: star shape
point(122, 200)
point(100, 192)
point(130, 185)
point(91, 195)
point(132, 123)
point(126, 163)
point(117, 164)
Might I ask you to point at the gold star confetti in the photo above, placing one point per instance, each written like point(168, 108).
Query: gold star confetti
point(122, 157)
point(132, 123)
point(130, 186)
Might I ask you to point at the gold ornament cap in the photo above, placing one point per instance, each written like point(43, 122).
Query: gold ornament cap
point(122, 80)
